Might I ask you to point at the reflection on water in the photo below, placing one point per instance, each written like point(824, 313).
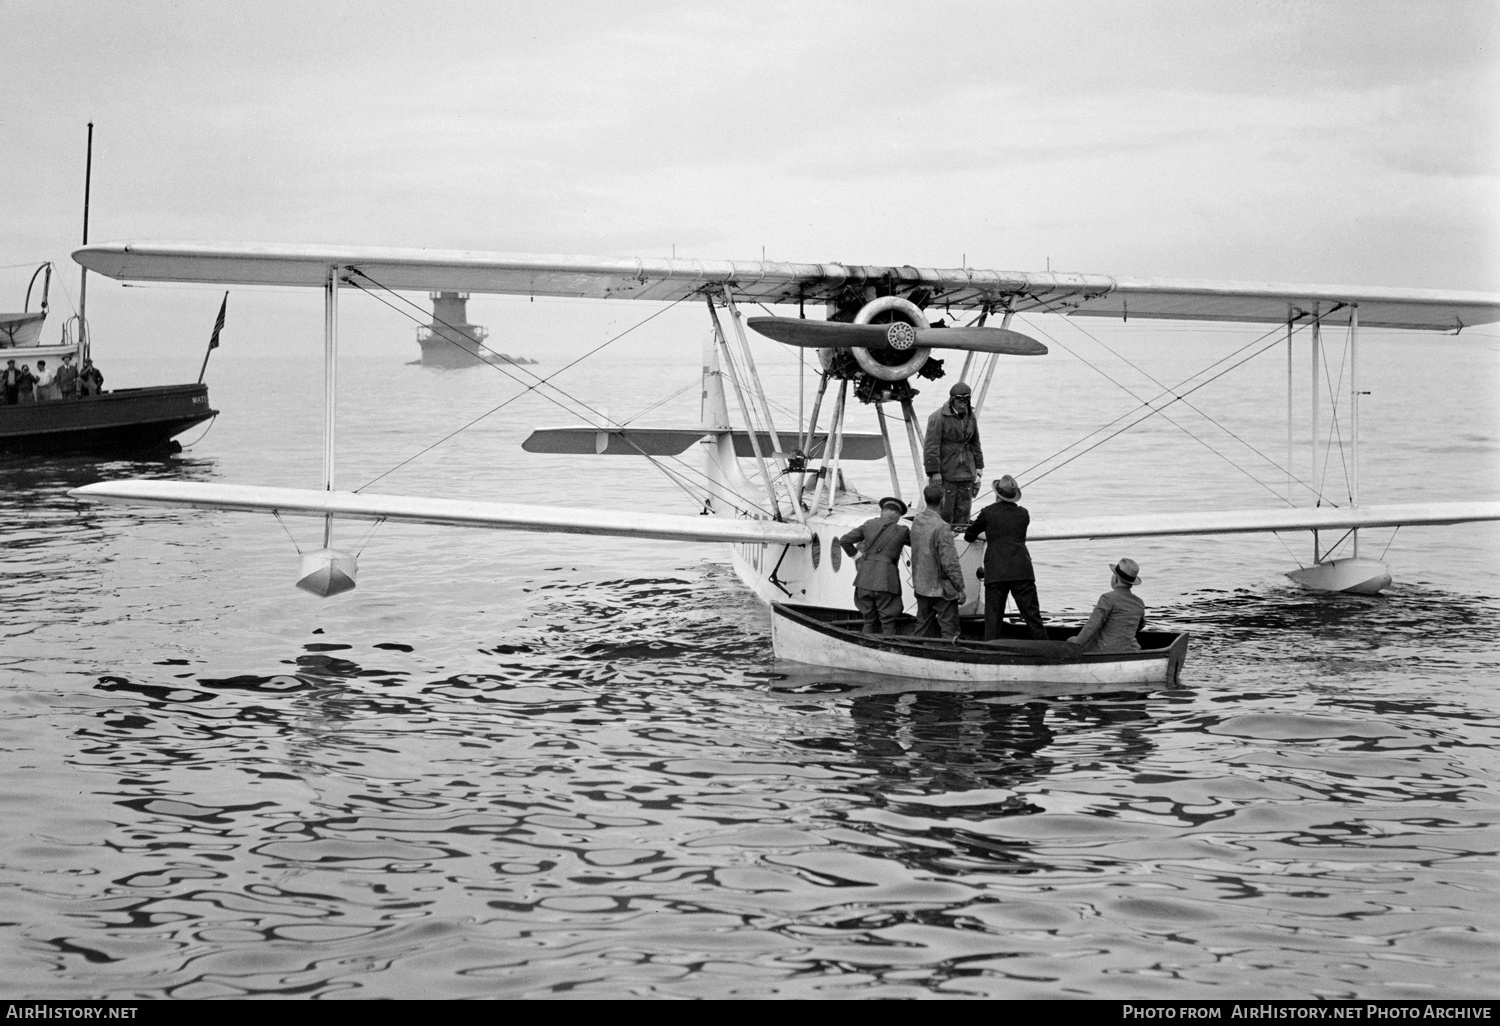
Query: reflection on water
point(619, 798)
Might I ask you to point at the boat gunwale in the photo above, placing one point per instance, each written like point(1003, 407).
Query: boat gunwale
point(962, 651)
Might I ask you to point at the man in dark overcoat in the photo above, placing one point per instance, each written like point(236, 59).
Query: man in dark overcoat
point(951, 454)
point(1007, 563)
point(877, 585)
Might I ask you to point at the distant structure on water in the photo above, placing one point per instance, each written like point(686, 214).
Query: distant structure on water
point(451, 341)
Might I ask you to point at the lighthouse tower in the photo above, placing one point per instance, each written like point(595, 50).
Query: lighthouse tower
point(450, 340)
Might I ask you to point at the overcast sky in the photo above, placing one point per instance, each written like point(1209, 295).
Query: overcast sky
point(1348, 142)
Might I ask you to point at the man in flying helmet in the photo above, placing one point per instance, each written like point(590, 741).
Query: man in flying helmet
point(952, 456)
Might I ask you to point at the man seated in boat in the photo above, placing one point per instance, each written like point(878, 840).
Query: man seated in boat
point(936, 575)
point(877, 585)
point(1118, 615)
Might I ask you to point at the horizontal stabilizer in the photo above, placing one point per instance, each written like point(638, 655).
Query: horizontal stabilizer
point(794, 331)
point(1316, 518)
point(631, 441)
point(445, 512)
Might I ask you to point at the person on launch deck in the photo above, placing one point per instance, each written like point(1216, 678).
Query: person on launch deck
point(44, 387)
point(877, 585)
point(1117, 616)
point(951, 455)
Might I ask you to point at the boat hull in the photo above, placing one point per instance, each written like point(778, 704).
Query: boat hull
point(823, 637)
point(125, 419)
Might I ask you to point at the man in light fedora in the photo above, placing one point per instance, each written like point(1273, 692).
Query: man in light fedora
point(1117, 616)
point(1007, 562)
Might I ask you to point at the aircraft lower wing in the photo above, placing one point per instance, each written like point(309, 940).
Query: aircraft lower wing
point(1314, 518)
point(666, 280)
point(672, 527)
point(445, 512)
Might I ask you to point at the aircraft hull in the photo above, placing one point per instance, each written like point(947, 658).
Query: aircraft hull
point(819, 574)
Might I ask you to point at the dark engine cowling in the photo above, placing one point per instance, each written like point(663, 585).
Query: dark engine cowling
point(904, 357)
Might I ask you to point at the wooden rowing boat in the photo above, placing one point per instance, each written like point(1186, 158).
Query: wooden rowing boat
point(832, 637)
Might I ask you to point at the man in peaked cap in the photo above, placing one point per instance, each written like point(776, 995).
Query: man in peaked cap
point(951, 455)
point(877, 585)
point(1007, 561)
point(1118, 615)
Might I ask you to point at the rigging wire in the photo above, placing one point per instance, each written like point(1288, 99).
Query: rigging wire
point(1154, 410)
point(537, 385)
point(277, 514)
point(676, 478)
point(1334, 431)
point(1143, 372)
point(1176, 398)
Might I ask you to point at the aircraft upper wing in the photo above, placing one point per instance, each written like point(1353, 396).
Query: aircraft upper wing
point(529, 274)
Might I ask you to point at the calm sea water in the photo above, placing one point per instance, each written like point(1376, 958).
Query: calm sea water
point(519, 765)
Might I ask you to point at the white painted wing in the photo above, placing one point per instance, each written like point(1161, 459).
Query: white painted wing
point(531, 274)
point(444, 512)
point(1324, 518)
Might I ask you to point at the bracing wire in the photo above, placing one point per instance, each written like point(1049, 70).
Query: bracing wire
point(1232, 434)
point(1153, 411)
point(677, 478)
point(277, 514)
point(532, 387)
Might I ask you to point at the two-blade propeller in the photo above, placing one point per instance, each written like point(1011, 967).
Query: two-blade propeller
point(898, 336)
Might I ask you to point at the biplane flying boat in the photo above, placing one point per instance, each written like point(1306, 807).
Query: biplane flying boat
point(777, 493)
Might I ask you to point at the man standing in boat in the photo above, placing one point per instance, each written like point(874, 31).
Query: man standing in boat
point(936, 575)
point(951, 455)
point(1007, 562)
point(877, 585)
point(1118, 615)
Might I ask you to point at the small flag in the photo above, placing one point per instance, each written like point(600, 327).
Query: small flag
point(213, 343)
